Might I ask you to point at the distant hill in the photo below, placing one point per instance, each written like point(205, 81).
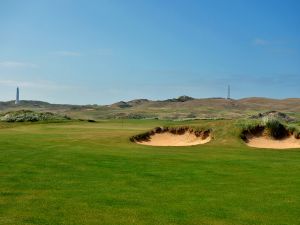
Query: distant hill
point(183, 107)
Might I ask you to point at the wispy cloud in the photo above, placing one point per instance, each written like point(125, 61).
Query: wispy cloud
point(275, 47)
point(274, 79)
point(17, 64)
point(102, 52)
point(42, 84)
point(67, 53)
point(261, 42)
point(105, 52)
point(264, 42)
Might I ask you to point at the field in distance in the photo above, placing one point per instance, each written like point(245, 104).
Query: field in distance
point(90, 173)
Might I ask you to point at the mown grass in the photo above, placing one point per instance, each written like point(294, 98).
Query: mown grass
point(90, 173)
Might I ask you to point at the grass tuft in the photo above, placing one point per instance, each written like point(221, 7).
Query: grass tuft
point(275, 129)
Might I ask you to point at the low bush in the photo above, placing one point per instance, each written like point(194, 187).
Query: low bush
point(31, 116)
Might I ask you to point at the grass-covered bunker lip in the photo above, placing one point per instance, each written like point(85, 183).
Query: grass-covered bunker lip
point(174, 136)
point(271, 134)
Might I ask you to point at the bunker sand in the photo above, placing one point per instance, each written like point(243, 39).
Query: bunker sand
point(169, 139)
point(266, 142)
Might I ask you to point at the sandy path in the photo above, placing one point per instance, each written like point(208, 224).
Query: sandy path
point(264, 142)
point(168, 139)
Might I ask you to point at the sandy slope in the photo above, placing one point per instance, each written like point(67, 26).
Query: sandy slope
point(265, 142)
point(168, 139)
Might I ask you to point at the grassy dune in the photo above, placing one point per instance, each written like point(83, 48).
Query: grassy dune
point(171, 109)
point(90, 173)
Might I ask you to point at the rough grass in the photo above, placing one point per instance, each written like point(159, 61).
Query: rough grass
point(252, 127)
point(90, 173)
point(294, 130)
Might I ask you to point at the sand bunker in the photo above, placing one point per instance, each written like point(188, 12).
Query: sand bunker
point(267, 142)
point(168, 139)
point(276, 136)
point(182, 136)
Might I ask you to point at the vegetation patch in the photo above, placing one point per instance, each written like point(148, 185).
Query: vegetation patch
point(273, 114)
point(31, 116)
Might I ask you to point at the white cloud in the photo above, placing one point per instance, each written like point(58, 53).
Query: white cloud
point(67, 53)
point(17, 64)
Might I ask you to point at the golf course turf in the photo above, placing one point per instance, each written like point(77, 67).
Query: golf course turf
point(91, 173)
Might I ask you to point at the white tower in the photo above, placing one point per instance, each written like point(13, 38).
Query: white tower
point(17, 96)
point(228, 92)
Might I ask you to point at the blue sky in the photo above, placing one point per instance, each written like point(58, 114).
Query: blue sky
point(86, 52)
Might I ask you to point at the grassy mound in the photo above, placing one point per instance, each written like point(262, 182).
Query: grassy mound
point(31, 116)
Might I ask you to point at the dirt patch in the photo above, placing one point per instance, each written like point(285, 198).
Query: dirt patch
point(179, 136)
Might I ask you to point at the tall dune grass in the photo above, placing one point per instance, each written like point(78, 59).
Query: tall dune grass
point(269, 126)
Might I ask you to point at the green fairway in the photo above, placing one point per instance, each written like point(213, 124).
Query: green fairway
point(90, 173)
